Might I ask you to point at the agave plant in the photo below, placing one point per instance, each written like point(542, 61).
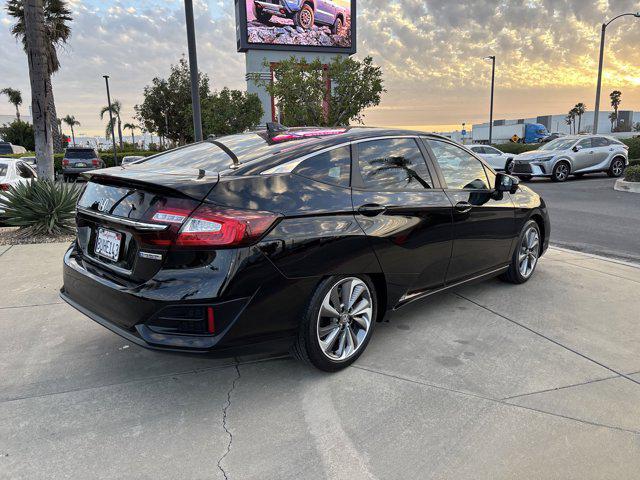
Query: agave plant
point(40, 207)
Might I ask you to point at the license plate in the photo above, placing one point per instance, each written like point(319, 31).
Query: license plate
point(80, 165)
point(108, 244)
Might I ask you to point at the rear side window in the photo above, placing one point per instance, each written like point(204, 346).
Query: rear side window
point(333, 167)
point(584, 143)
point(3, 169)
point(5, 148)
point(460, 169)
point(84, 154)
point(393, 164)
point(600, 142)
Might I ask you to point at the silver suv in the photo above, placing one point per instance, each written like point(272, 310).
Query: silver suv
point(573, 155)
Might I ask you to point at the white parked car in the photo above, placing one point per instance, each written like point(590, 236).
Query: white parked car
point(130, 159)
point(12, 172)
point(497, 159)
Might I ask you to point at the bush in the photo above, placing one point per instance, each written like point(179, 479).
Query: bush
point(19, 133)
point(41, 207)
point(632, 174)
point(634, 146)
point(517, 148)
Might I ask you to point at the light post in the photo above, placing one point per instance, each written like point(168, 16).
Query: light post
point(113, 136)
point(600, 61)
point(493, 77)
point(193, 67)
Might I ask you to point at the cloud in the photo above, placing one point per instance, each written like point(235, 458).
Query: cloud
point(430, 51)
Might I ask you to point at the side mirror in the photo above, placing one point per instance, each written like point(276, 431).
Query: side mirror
point(506, 183)
point(577, 148)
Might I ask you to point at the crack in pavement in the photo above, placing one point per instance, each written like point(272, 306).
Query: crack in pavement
point(224, 421)
point(32, 305)
point(10, 247)
point(542, 335)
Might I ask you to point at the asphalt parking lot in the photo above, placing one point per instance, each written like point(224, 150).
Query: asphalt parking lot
point(587, 214)
point(492, 381)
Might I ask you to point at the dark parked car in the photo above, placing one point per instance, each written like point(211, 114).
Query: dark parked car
point(78, 160)
point(300, 239)
point(304, 13)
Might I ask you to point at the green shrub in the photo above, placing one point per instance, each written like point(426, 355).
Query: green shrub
point(41, 207)
point(517, 148)
point(18, 133)
point(634, 146)
point(635, 161)
point(632, 174)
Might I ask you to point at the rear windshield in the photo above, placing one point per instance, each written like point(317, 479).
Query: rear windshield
point(84, 154)
point(3, 169)
point(5, 148)
point(211, 157)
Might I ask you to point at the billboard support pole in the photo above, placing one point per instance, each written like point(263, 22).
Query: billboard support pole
point(193, 67)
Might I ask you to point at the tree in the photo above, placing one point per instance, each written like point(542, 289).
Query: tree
point(166, 107)
point(116, 108)
point(580, 108)
point(300, 90)
point(15, 98)
point(131, 127)
point(569, 121)
point(56, 31)
point(19, 133)
point(616, 100)
point(613, 117)
point(230, 111)
point(71, 121)
point(572, 117)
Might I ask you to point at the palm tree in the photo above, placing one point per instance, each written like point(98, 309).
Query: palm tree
point(580, 108)
point(56, 31)
point(15, 97)
point(131, 127)
point(116, 108)
point(616, 100)
point(568, 120)
point(572, 115)
point(613, 116)
point(71, 121)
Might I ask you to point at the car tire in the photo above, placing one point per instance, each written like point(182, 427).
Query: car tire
point(304, 17)
point(508, 167)
point(525, 178)
point(527, 249)
point(616, 169)
point(561, 171)
point(337, 26)
point(330, 342)
point(578, 175)
point(263, 17)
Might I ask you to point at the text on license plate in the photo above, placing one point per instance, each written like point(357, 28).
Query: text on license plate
point(80, 165)
point(108, 244)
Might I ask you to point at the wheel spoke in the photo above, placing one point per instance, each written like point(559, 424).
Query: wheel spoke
point(328, 310)
point(345, 292)
point(361, 307)
point(328, 342)
point(342, 345)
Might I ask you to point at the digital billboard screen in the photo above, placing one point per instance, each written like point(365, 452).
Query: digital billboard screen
point(302, 25)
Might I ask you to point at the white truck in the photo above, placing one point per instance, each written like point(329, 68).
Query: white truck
point(520, 132)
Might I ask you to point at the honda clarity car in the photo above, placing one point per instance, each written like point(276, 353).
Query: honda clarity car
point(299, 239)
point(573, 155)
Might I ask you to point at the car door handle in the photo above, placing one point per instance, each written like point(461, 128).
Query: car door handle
point(463, 207)
point(371, 209)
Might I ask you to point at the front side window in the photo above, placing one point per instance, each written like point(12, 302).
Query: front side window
point(460, 169)
point(584, 143)
point(333, 166)
point(393, 164)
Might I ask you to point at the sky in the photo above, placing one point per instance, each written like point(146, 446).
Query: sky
point(431, 53)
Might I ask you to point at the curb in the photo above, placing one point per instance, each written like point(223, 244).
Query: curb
point(623, 186)
point(596, 256)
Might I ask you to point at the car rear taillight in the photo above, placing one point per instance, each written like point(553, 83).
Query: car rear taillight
point(4, 187)
point(212, 226)
point(95, 162)
point(65, 162)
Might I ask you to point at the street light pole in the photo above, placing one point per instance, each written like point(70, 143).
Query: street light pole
point(193, 67)
point(113, 136)
point(493, 77)
point(600, 62)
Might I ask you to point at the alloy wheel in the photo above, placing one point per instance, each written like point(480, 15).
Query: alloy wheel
point(529, 252)
point(562, 172)
point(344, 319)
point(617, 168)
point(306, 19)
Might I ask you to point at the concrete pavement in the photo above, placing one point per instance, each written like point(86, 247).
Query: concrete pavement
point(491, 381)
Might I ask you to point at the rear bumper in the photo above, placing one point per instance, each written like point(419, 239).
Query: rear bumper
point(246, 326)
point(78, 171)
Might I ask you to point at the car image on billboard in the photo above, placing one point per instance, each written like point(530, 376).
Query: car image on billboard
point(302, 23)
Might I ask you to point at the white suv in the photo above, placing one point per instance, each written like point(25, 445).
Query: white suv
point(496, 159)
point(573, 155)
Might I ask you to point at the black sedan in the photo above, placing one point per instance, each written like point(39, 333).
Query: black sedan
point(297, 239)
